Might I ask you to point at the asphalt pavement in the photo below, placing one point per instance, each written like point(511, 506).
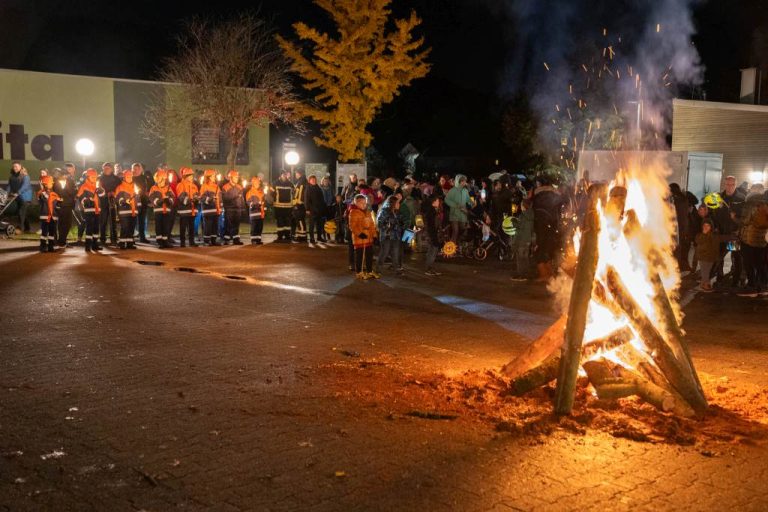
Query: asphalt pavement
point(219, 379)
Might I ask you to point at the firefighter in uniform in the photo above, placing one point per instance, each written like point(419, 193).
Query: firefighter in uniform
point(162, 200)
point(128, 202)
point(283, 206)
point(299, 213)
point(88, 199)
point(109, 182)
point(254, 198)
point(187, 197)
point(234, 204)
point(210, 202)
point(50, 202)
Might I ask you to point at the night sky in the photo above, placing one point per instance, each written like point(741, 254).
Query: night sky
point(479, 51)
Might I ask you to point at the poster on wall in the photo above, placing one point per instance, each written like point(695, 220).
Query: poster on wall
point(344, 170)
point(317, 170)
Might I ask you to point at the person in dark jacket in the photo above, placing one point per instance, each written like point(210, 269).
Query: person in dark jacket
point(501, 205)
point(314, 202)
point(390, 229)
point(143, 181)
point(726, 223)
point(433, 225)
point(233, 200)
point(547, 205)
point(707, 253)
point(108, 217)
point(20, 184)
point(682, 215)
point(66, 187)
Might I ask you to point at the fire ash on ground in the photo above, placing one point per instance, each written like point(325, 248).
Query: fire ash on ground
point(738, 414)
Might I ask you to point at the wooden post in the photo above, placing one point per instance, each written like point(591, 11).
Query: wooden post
point(581, 295)
point(662, 354)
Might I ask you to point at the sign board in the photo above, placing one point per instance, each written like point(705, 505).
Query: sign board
point(317, 170)
point(344, 170)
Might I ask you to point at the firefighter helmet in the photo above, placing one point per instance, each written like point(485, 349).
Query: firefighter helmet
point(209, 173)
point(91, 173)
point(233, 174)
point(161, 174)
point(186, 171)
point(713, 200)
point(330, 227)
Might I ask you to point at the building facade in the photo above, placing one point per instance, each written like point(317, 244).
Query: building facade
point(737, 131)
point(43, 115)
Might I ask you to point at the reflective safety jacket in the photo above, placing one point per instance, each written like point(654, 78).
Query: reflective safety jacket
point(283, 194)
point(88, 198)
point(161, 199)
point(188, 195)
point(210, 198)
point(232, 197)
point(50, 202)
point(255, 200)
point(298, 191)
point(126, 199)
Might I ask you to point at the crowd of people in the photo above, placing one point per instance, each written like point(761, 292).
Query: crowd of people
point(526, 222)
point(733, 222)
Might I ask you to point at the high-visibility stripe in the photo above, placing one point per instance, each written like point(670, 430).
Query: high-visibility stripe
point(209, 211)
point(183, 211)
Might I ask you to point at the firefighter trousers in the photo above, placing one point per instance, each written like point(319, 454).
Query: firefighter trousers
point(127, 225)
point(232, 225)
point(91, 225)
point(257, 226)
point(163, 225)
point(283, 218)
point(186, 229)
point(48, 234)
point(210, 228)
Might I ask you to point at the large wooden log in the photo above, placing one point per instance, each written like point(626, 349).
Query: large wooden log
point(581, 295)
point(661, 352)
point(538, 351)
point(670, 326)
point(614, 381)
point(547, 371)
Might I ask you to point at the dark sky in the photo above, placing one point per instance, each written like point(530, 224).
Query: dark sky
point(454, 110)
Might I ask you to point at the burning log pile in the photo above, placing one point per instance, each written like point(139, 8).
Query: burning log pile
point(621, 328)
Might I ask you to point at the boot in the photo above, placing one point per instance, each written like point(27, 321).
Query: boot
point(131, 245)
point(215, 243)
point(182, 243)
point(88, 245)
point(51, 246)
point(121, 246)
point(237, 241)
point(43, 246)
point(192, 243)
point(95, 245)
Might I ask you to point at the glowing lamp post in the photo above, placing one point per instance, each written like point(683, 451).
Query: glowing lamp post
point(757, 177)
point(292, 160)
point(84, 148)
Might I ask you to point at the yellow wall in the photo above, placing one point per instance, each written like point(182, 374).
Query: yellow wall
point(53, 104)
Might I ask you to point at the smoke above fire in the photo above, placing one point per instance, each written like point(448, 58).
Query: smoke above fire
point(582, 61)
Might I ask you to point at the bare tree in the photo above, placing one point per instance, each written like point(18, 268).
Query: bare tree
point(230, 75)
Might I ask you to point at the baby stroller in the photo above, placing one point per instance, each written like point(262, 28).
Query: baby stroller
point(6, 200)
point(496, 240)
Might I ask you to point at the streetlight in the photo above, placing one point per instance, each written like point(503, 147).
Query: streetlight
point(292, 159)
point(84, 148)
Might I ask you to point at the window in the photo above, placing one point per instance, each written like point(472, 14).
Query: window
point(210, 145)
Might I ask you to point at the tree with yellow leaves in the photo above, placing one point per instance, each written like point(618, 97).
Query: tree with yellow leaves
point(353, 73)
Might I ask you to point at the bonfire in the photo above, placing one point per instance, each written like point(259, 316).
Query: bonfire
point(622, 329)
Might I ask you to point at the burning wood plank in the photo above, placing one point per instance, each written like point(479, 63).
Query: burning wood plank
point(581, 295)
